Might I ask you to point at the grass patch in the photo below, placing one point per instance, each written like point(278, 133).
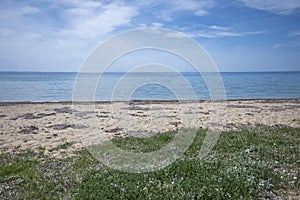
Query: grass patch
point(144, 145)
point(252, 163)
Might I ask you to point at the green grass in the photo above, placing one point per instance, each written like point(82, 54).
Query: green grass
point(252, 163)
point(135, 144)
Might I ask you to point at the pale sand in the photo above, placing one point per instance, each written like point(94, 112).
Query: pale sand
point(33, 125)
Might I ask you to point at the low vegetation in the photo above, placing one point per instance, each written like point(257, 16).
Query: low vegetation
point(250, 163)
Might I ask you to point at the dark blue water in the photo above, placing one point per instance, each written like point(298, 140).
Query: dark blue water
point(37, 86)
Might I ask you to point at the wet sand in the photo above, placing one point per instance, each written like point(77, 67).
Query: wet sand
point(32, 125)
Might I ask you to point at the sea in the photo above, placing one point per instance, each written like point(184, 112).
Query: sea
point(59, 86)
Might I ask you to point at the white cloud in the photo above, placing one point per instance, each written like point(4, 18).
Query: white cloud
point(229, 34)
point(199, 8)
point(158, 25)
point(93, 23)
point(5, 32)
point(28, 10)
point(282, 7)
point(294, 34)
point(34, 36)
point(277, 46)
point(79, 3)
point(17, 11)
point(165, 10)
point(202, 35)
point(201, 12)
point(239, 34)
point(215, 31)
point(218, 28)
point(219, 34)
point(175, 35)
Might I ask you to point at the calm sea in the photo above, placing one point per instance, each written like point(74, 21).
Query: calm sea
point(40, 86)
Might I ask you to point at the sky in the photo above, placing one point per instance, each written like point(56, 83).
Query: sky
point(239, 35)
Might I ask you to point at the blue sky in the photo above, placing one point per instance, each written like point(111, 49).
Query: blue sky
point(239, 35)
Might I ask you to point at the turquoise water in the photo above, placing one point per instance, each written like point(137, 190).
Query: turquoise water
point(42, 86)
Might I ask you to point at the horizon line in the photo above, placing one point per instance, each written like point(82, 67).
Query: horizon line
point(147, 71)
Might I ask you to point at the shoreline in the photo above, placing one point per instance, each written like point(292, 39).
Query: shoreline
point(148, 101)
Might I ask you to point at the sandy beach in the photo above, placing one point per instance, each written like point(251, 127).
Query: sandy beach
point(33, 125)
